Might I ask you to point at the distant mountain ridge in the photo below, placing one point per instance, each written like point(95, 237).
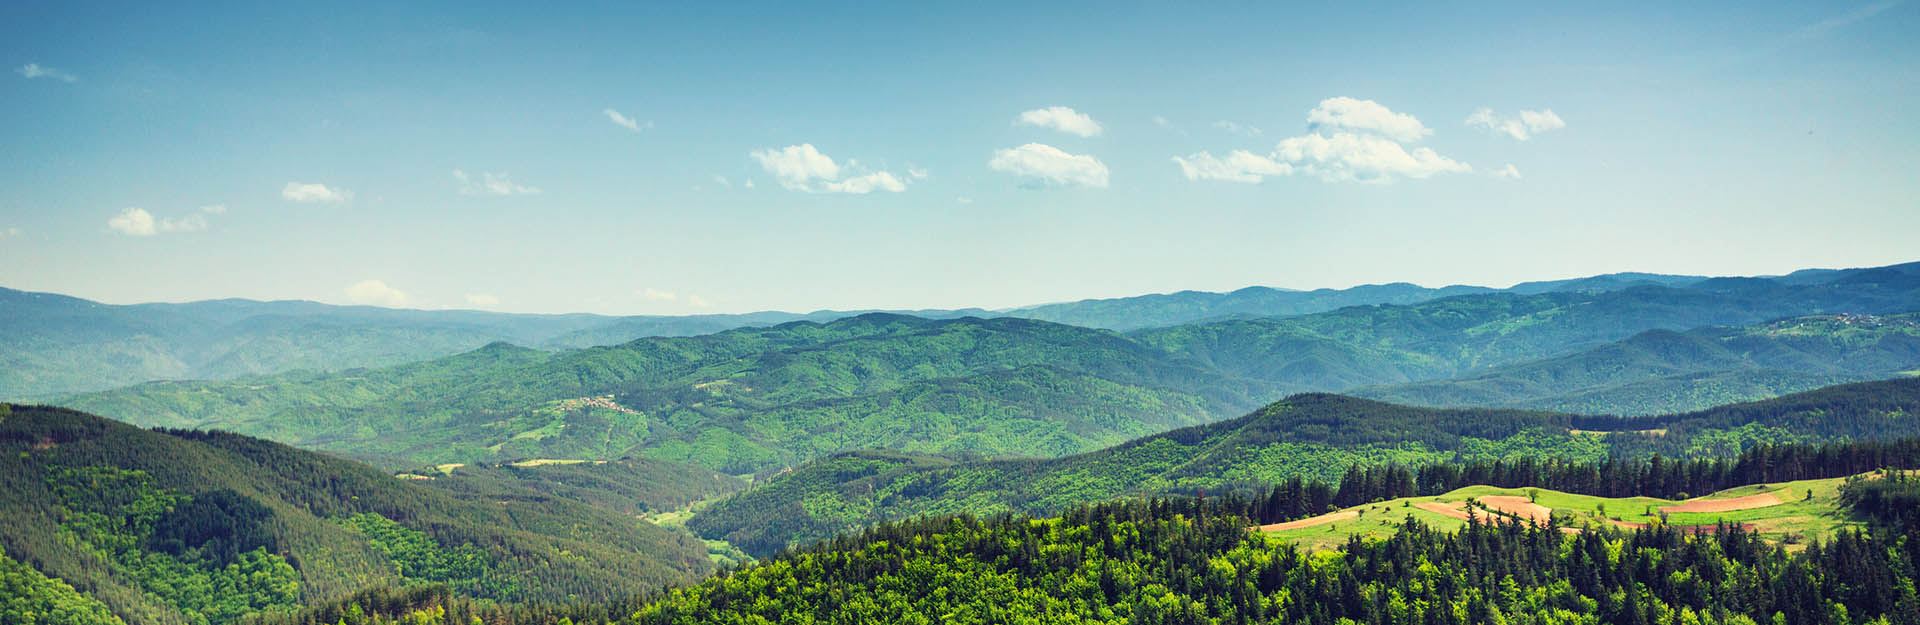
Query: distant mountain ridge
point(1663, 370)
point(52, 344)
point(754, 399)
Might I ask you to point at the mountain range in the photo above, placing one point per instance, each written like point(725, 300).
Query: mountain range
point(763, 398)
point(56, 344)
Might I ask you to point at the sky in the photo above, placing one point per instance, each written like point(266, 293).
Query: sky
point(675, 159)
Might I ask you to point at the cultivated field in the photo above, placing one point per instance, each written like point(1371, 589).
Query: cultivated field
point(1790, 512)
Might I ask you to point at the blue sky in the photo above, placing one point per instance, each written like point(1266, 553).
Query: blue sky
point(887, 155)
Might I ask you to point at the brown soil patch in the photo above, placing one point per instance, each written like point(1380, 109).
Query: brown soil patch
point(1748, 502)
point(1311, 521)
point(1518, 507)
point(1456, 509)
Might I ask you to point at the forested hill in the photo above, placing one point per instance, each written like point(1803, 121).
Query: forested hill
point(1164, 562)
point(738, 401)
point(1170, 309)
point(51, 343)
point(175, 527)
point(1468, 335)
point(1312, 436)
point(1661, 371)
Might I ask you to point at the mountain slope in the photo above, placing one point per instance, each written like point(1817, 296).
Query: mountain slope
point(1466, 335)
point(1315, 436)
point(52, 344)
point(737, 401)
point(1170, 309)
point(1665, 371)
point(186, 527)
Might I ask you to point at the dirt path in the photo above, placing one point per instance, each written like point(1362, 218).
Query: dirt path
point(1518, 507)
point(1456, 509)
point(1748, 502)
point(1323, 519)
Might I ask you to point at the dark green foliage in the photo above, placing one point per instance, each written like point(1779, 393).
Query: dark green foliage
point(1891, 498)
point(142, 519)
point(218, 525)
point(1166, 562)
point(1316, 437)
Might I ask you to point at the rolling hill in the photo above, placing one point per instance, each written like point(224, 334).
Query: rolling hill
point(1313, 436)
point(1662, 371)
point(1471, 334)
point(203, 527)
point(738, 401)
point(1184, 307)
point(53, 344)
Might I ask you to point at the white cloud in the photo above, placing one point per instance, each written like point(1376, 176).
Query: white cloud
point(9, 233)
point(917, 173)
point(491, 183)
point(796, 166)
point(1364, 158)
point(1348, 140)
point(482, 300)
point(314, 192)
point(749, 183)
point(1344, 114)
point(36, 70)
point(657, 295)
point(137, 222)
point(1161, 121)
point(868, 183)
point(214, 209)
point(375, 293)
point(1238, 166)
point(1510, 172)
point(1061, 118)
point(1521, 127)
point(698, 302)
point(963, 200)
point(722, 181)
point(626, 122)
point(1051, 165)
point(1237, 128)
point(133, 222)
point(804, 168)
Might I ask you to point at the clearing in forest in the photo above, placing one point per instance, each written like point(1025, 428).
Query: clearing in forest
point(1793, 513)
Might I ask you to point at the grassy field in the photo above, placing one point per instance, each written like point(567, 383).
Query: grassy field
point(1806, 509)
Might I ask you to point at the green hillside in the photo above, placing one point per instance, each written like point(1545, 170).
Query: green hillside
point(1664, 371)
point(1467, 335)
point(738, 401)
point(1798, 512)
point(190, 527)
point(52, 344)
point(1178, 561)
point(1314, 436)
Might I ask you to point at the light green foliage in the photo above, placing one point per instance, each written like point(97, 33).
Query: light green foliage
point(464, 568)
point(28, 597)
point(112, 511)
